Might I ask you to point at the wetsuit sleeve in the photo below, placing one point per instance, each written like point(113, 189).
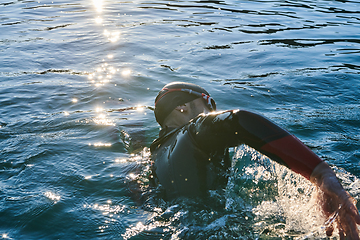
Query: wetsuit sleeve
point(232, 128)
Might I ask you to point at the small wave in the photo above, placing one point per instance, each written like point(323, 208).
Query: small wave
point(219, 47)
point(6, 4)
point(65, 5)
point(57, 71)
point(301, 43)
point(56, 27)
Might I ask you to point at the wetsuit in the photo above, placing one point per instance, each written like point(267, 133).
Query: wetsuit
point(192, 159)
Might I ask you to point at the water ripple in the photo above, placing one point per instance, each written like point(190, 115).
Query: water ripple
point(77, 82)
point(301, 43)
point(57, 71)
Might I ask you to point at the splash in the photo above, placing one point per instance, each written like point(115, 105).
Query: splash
point(262, 200)
point(52, 196)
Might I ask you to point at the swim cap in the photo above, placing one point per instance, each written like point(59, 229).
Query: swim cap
point(176, 94)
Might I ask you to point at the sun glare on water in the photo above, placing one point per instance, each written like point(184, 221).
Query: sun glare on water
point(98, 4)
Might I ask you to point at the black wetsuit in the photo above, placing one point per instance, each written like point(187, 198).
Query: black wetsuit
point(192, 159)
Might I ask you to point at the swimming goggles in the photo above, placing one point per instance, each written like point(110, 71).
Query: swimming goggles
point(209, 100)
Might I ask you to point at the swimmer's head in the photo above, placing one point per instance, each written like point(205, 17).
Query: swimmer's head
point(176, 94)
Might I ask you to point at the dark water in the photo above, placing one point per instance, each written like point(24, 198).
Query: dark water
point(77, 84)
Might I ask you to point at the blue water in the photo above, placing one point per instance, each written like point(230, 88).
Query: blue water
point(77, 85)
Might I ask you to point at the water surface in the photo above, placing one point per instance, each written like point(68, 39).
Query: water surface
point(77, 85)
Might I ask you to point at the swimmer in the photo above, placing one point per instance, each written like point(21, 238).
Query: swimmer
point(191, 154)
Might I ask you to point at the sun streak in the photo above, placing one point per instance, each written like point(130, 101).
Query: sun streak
point(98, 5)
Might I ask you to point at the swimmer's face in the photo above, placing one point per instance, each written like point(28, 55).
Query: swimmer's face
point(184, 113)
point(197, 107)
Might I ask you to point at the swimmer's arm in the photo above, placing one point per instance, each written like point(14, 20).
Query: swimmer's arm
point(232, 128)
point(220, 130)
point(280, 145)
point(275, 142)
point(333, 197)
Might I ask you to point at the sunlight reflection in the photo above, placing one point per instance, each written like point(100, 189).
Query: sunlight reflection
point(98, 5)
point(102, 74)
point(100, 144)
point(107, 208)
point(74, 100)
point(112, 70)
point(140, 108)
point(126, 72)
point(124, 160)
point(112, 36)
point(98, 20)
point(132, 176)
point(140, 227)
point(52, 196)
point(102, 120)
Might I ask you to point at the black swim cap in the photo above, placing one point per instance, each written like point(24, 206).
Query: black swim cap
point(176, 94)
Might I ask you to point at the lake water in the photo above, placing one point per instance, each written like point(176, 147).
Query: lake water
point(77, 85)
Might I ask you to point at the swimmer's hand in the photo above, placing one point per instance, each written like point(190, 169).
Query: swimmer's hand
point(336, 203)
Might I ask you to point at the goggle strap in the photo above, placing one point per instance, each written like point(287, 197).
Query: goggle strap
point(209, 100)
